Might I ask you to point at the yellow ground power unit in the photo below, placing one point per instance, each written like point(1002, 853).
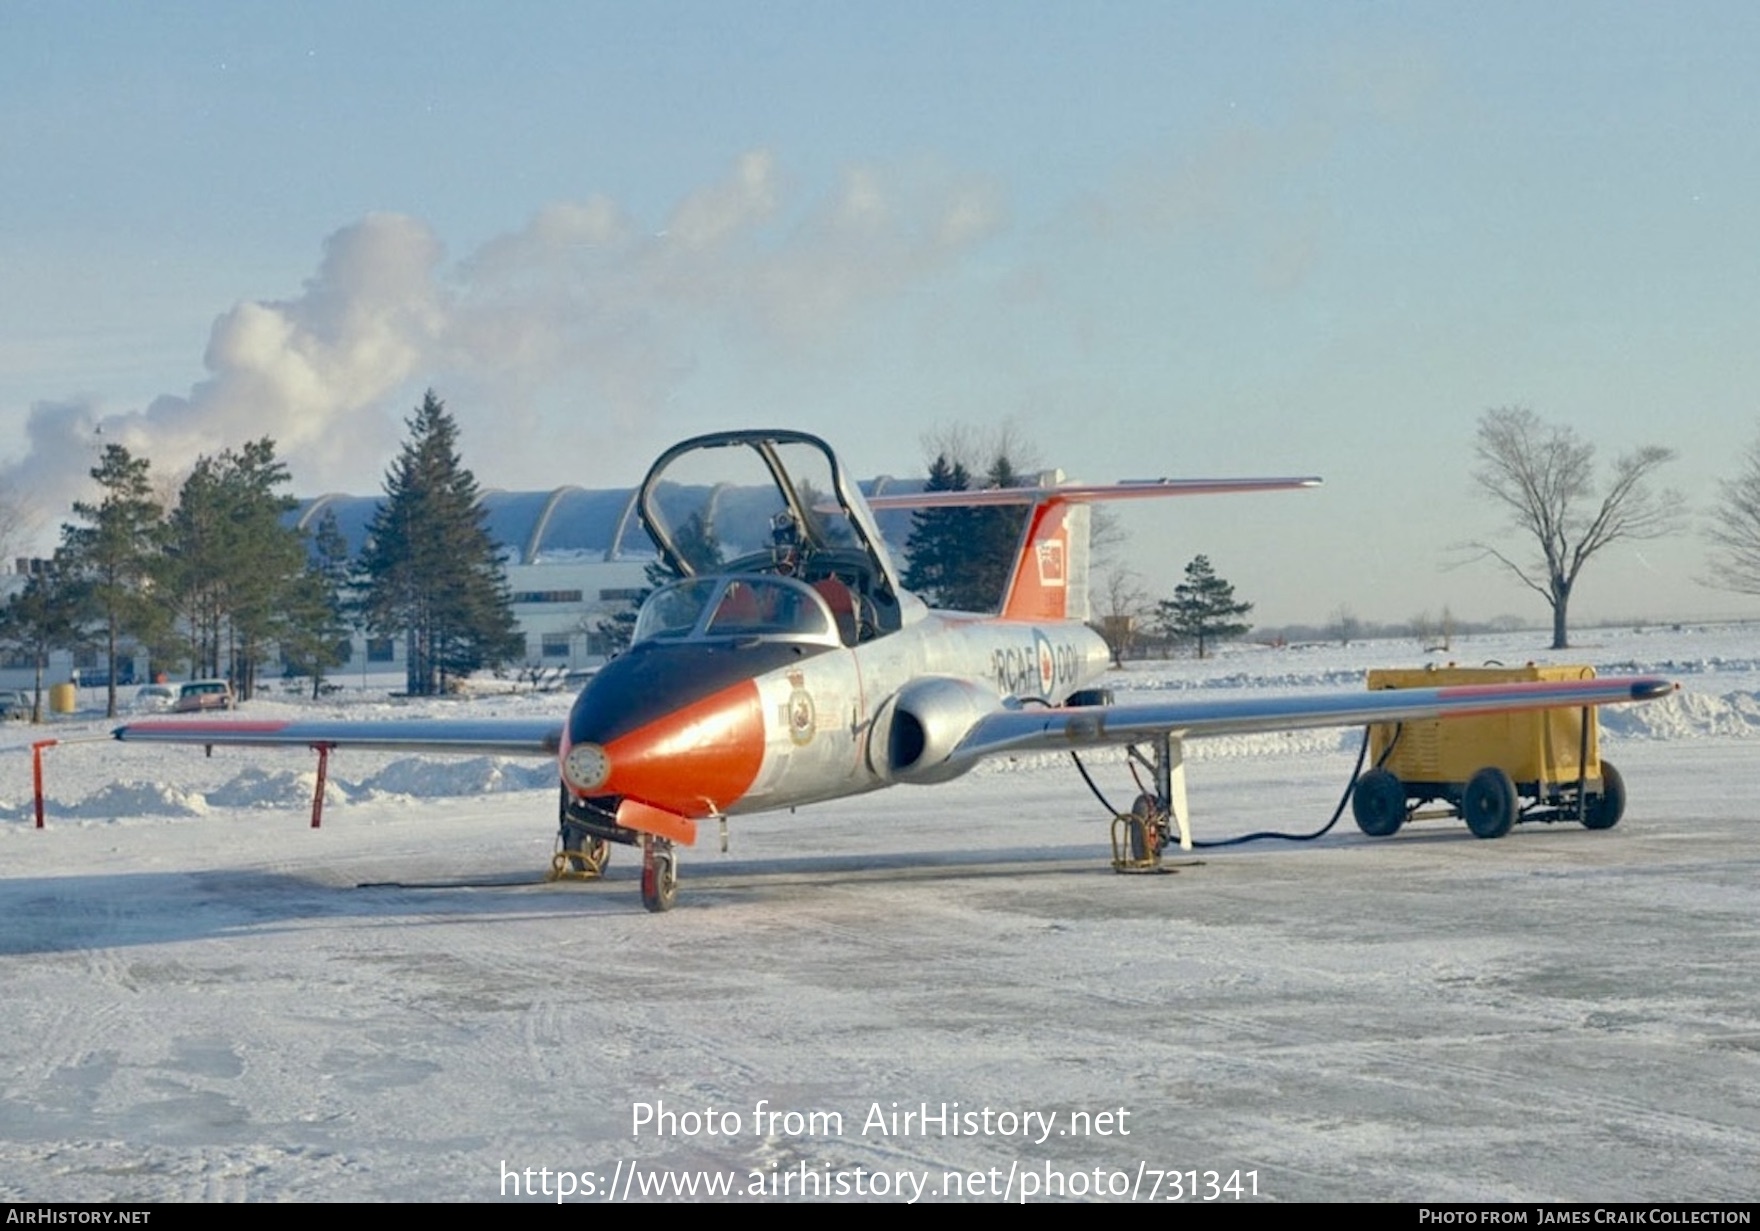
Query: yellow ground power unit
point(1491, 770)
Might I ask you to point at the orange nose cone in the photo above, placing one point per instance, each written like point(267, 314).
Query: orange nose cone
point(695, 761)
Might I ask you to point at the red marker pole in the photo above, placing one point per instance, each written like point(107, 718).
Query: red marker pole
point(37, 773)
point(323, 751)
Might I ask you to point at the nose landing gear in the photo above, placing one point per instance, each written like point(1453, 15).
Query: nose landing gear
point(589, 828)
point(659, 874)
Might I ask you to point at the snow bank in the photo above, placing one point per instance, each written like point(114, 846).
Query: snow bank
point(423, 777)
point(1686, 715)
point(134, 799)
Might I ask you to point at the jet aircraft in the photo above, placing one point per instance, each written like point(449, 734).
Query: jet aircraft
point(787, 665)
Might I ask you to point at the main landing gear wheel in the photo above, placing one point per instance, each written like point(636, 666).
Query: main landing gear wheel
point(659, 874)
point(1379, 803)
point(1144, 836)
point(1489, 803)
point(1604, 810)
point(1138, 837)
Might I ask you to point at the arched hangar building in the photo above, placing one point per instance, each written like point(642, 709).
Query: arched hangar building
point(574, 557)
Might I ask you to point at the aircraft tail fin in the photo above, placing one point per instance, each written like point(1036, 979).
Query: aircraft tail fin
point(1050, 577)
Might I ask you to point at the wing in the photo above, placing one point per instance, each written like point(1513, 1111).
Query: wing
point(1087, 493)
point(1065, 728)
point(508, 737)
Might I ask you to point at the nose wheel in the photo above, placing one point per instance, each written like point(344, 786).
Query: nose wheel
point(659, 874)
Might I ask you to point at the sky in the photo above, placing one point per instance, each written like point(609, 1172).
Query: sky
point(1147, 239)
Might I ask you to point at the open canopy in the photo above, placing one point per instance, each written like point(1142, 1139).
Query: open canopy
point(774, 503)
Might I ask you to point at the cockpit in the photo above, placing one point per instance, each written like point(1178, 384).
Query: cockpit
point(737, 606)
point(768, 538)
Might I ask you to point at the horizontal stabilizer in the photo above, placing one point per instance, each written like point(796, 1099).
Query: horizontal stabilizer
point(1087, 493)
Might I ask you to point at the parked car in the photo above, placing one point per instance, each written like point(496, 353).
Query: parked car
point(203, 695)
point(15, 705)
point(154, 698)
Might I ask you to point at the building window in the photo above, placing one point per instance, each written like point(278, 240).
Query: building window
point(619, 596)
point(381, 650)
point(546, 596)
point(556, 645)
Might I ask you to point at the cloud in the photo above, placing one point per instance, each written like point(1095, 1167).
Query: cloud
point(722, 212)
point(582, 294)
point(869, 241)
point(302, 371)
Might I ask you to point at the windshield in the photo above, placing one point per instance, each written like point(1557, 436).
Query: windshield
point(675, 610)
point(740, 606)
point(757, 500)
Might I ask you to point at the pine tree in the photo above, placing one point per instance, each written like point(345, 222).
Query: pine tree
point(48, 614)
point(996, 534)
point(1203, 609)
point(430, 572)
point(232, 565)
point(314, 632)
point(115, 552)
point(696, 542)
point(193, 572)
point(961, 558)
point(939, 538)
point(271, 563)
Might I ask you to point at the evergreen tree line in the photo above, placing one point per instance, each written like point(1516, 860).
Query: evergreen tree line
point(960, 558)
point(222, 584)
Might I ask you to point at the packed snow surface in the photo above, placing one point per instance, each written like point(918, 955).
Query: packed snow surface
point(208, 1000)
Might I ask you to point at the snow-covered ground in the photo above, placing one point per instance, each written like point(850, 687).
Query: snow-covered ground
point(204, 999)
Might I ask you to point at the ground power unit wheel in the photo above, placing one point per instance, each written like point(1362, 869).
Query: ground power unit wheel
point(1604, 810)
point(1379, 803)
point(1489, 805)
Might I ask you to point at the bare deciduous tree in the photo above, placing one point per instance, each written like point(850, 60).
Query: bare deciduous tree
point(1344, 625)
point(1544, 476)
point(17, 521)
point(1433, 633)
point(1735, 529)
point(977, 446)
point(1126, 607)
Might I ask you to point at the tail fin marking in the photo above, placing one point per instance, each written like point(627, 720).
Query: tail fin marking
point(1050, 579)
